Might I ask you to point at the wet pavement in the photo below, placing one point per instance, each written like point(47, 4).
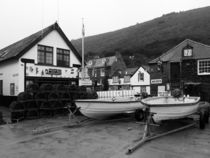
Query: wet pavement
point(98, 139)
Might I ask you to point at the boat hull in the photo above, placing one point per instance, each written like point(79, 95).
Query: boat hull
point(170, 108)
point(105, 108)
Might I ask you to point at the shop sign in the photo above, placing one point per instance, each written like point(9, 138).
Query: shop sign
point(85, 82)
point(156, 81)
point(53, 71)
point(46, 71)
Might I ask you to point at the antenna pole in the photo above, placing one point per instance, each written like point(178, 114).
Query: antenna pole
point(57, 11)
point(83, 49)
point(43, 15)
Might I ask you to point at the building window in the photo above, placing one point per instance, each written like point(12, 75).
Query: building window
point(143, 89)
point(140, 76)
point(12, 89)
point(102, 72)
point(115, 79)
point(45, 55)
point(126, 79)
point(188, 51)
point(204, 67)
point(63, 57)
point(95, 72)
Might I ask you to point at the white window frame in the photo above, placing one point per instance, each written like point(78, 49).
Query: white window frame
point(102, 72)
point(140, 76)
point(198, 67)
point(188, 52)
point(115, 79)
point(127, 79)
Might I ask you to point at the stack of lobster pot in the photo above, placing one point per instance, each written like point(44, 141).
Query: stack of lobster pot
point(1, 119)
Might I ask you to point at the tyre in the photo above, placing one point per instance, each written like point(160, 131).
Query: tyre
point(139, 115)
point(206, 117)
point(202, 119)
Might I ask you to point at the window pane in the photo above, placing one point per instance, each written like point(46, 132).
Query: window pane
point(45, 55)
point(41, 48)
point(63, 57)
point(204, 67)
point(40, 57)
point(102, 72)
point(49, 58)
point(49, 49)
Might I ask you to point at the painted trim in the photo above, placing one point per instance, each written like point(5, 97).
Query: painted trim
point(167, 105)
point(112, 102)
point(202, 74)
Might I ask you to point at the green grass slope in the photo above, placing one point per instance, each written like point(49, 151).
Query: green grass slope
point(148, 40)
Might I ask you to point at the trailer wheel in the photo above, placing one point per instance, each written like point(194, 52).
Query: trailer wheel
point(139, 115)
point(206, 117)
point(202, 119)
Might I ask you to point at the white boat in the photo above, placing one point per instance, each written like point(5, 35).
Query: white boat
point(170, 108)
point(103, 108)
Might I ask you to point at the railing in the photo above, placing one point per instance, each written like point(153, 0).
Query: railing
point(164, 93)
point(116, 93)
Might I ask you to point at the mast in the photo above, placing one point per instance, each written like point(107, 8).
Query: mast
point(83, 49)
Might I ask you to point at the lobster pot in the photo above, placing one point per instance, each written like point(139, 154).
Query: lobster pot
point(59, 88)
point(17, 111)
point(54, 100)
point(1, 119)
point(65, 98)
point(32, 88)
point(46, 88)
point(23, 96)
point(41, 97)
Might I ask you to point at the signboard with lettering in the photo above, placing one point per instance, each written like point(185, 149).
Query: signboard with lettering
point(85, 82)
point(156, 81)
point(50, 71)
point(53, 71)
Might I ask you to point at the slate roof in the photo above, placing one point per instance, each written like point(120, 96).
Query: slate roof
point(17, 49)
point(131, 71)
point(100, 62)
point(200, 51)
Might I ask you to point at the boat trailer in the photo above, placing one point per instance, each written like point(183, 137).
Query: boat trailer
point(203, 112)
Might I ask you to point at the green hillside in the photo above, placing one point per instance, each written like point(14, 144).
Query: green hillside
point(148, 40)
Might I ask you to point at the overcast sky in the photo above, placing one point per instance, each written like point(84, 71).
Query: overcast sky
point(20, 18)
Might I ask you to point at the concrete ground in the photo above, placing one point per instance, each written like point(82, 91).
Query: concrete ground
point(105, 139)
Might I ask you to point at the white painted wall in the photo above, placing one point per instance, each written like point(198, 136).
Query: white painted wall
point(134, 78)
point(13, 72)
point(54, 40)
point(137, 84)
point(9, 74)
point(134, 82)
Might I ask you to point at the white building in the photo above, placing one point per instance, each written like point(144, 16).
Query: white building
point(137, 79)
point(43, 57)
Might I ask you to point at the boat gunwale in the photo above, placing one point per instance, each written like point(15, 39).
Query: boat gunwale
point(169, 105)
point(108, 101)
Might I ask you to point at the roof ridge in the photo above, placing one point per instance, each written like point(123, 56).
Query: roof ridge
point(199, 43)
point(17, 49)
point(27, 37)
point(169, 51)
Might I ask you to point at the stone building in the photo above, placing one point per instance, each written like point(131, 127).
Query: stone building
point(185, 66)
